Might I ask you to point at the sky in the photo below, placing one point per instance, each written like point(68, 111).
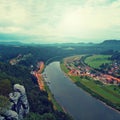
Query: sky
point(59, 21)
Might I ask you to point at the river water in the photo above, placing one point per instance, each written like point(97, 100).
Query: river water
point(78, 103)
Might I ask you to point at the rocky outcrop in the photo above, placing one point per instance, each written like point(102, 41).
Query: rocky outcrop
point(19, 104)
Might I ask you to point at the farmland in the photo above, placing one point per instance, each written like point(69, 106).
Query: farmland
point(96, 61)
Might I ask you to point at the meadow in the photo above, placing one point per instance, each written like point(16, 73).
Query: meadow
point(110, 94)
point(96, 61)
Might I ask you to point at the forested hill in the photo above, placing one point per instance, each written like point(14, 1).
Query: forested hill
point(40, 106)
point(111, 43)
point(44, 52)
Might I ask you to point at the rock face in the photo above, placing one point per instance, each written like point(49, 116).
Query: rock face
point(19, 104)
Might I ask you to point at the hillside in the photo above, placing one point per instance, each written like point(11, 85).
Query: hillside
point(110, 44)
point(40, 106)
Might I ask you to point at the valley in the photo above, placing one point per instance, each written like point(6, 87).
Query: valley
point(94, 69)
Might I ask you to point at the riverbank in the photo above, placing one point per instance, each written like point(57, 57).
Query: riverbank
point(56, 105)
point(96, 89)
point(77, 102)
point(38, 75)
point(44, 87)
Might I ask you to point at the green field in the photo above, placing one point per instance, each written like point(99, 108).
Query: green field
point(96, 60)
point(64, 68)
point(110, 94)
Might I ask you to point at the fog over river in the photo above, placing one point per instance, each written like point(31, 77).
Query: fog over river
point(78, 103)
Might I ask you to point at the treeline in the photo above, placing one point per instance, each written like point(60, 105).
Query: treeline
point(115, 56)
point(43, 53)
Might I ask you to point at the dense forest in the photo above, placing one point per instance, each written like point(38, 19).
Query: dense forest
point(115, 56)
point(40, 107)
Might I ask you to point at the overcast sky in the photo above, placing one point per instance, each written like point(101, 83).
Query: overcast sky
point(52, 21)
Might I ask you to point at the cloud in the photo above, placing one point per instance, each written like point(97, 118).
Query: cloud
point(10, 29)
point(56, 20)
point(12, 13)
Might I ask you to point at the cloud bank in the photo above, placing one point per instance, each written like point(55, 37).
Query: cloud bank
point(49, 21)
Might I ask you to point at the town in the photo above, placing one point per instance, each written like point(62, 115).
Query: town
point(77, 67)
point(19, 58)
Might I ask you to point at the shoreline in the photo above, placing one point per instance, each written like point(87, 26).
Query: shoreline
point(105, 103)
point(56, 104)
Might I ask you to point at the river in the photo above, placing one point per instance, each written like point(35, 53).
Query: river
point(78, 103)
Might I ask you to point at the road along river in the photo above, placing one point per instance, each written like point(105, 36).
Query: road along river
point(78, 103)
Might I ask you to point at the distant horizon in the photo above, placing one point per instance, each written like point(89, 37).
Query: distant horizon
point(21, 42)
point(61, 21)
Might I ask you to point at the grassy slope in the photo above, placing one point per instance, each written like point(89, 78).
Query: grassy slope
point(64, 68)
point(96, 60)
point(109, 94)
point(105, 91)
point(52, 99)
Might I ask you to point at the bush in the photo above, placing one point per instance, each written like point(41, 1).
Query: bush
point(4, 104)
point(5, 87)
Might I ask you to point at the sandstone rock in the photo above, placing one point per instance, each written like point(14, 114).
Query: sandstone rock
point(23, 97)
point(19, 104)
point(11, 115)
